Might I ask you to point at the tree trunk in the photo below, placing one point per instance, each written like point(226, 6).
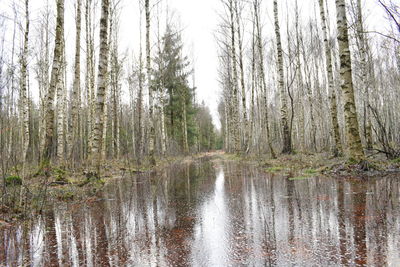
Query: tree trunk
point(337, 148)
point(287, 140)
point(140, 138)
point(364, 75)
point(184, 128)
point(300, 81)
point(24, 91)
point(253, 85)
point(90, 75)
point(60, 108)
point(262, 74)
point(235, 108)
point(351, 120)
point(163, 134)
point(98, 141)
point(74, 143)
point(140, 108)
point(242, 80)
point(55, 77)
point(152, 140)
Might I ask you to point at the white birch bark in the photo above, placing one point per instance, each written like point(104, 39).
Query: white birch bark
point(98, 141)
point(24, 91)
point(287, 140)
point(55, 77)
point(352, 132)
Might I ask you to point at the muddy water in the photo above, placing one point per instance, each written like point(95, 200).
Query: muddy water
point(213, 213)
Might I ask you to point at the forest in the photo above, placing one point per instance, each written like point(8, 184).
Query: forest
point(295, 89)
point(310, 81)
point(110, 106)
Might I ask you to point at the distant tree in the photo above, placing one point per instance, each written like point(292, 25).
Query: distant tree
point(171, 79)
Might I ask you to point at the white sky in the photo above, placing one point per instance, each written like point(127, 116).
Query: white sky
point(198, 19)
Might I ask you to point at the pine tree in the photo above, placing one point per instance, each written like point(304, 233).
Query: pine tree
point(171, 79)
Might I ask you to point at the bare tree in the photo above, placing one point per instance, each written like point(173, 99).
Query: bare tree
point(98, 141)
point(55, 77)
point(329, 69)
point(24, 91)
point(260, 49)
point(352, 131)
point(74, 127)
point(287, 139)
point(152, 140)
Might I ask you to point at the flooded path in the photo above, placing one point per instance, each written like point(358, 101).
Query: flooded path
point(215, 213)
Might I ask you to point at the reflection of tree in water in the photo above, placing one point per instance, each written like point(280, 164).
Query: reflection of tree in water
point(268, 220)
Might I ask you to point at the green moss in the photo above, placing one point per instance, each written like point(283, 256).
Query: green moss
point(274, 169)
point(311, 171)
point(13, 180)
point(299, 178)
point(396, 160)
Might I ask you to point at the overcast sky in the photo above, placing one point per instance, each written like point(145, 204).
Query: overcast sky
point(198, 19)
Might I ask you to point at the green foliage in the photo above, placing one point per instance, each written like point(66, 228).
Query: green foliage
point(170, 82)
point(13, 180)
point(60, 175)
point(206, 135)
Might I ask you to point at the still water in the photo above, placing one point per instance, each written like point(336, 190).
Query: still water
point(216, 213)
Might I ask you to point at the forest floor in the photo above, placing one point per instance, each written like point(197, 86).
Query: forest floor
point(306, 165)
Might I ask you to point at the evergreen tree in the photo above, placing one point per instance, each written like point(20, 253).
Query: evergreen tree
point(170, 79)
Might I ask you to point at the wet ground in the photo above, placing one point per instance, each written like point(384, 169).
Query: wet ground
point(215, 213)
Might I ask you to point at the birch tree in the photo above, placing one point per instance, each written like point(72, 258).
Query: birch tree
point(260, 49)
point(55, 77)
point(98, 141)
point(329, 70)
point(60, 88)
point(350, 112)
point(23, 82)
point(234, 99)
point(241, 69)
point(287, 139)
point(152, 140)
point(74, 127)
point(362, 44)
